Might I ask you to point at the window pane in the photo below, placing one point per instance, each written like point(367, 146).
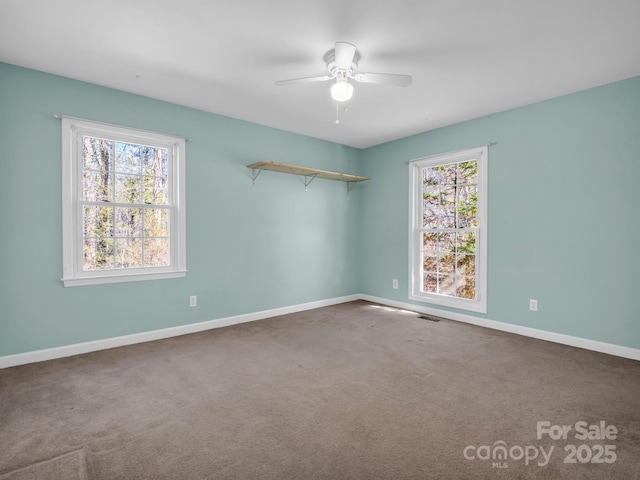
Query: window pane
point(431, 196)
point(431, 217)
point(128, 252)
point(127, 189)
point(468, 193)
point(466, 287)
point(97, 154)
point(155, 190)
point(466, 264)
point(155, 161)
point(467, 206)
point(467, 215)
point(430, 263)
point(447, 263)
point(447, 242)
point(446, 285)
point(449, 174)
point(97, 221)
point(156, 252)
point(448, 196)
point(466, 242)
point(98, 254)
point(430, 177)
point(468, 172)
point(128, 222)
point(97, 187)
point(127, 158)
point(430, 243)
point(430, 283)
point(467, 218)
point(156, 222)
point(448, 217)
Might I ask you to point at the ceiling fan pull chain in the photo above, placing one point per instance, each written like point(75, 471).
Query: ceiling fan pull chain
point(337, 110)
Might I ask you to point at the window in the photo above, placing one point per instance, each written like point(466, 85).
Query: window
point(448, 231)
point(123, 204)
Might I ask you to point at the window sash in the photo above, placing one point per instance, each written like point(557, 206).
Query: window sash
point(114, 236)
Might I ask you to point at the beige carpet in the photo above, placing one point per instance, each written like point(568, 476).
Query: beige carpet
point(69, 466)
point(353, 391)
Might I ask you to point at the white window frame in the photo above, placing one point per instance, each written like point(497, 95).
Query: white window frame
point(73, 130)
point(416, 293)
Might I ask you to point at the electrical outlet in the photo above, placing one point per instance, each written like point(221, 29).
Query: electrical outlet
point(193, 301)
point(533, 305)
point(395, 283)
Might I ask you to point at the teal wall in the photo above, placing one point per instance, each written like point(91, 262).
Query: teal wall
point(249, 248)
point(564, 212)
point(563, 216)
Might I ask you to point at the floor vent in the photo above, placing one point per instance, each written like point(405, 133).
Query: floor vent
point(431, 319)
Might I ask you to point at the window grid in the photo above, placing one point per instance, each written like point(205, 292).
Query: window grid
point(116, 232)
point(449, 230)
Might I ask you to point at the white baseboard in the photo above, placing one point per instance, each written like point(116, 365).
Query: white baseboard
point(94, 346)
point(86, 347)
point(602, 347)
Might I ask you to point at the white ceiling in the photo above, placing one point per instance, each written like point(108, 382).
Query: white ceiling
point(468, 58)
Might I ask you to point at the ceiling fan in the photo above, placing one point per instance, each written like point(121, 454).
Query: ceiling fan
point(342, 63)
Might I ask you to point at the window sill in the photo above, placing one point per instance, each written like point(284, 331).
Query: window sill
point(443, 301)
point(121, 278)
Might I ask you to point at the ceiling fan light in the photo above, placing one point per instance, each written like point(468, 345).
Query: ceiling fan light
point(341, 91)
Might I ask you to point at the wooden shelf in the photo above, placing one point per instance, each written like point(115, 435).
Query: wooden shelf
point(309, 173)
point(305, 171)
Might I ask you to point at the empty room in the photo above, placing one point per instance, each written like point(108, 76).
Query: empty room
point(319, 239)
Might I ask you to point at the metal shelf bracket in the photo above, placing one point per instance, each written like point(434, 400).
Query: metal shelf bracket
point(308, 179)
point(255, 172)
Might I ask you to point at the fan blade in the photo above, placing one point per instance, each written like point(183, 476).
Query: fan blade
point(384, 79)
point(344, 54)
point(323, 78)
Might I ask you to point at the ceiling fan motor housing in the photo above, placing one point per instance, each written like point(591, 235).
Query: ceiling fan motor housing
point(337, 72)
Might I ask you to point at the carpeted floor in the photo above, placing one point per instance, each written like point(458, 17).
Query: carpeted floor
point(353, 391)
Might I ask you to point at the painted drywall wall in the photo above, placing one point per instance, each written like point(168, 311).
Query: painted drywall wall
point(249, 248)
point(563, 212)
point(562, 216)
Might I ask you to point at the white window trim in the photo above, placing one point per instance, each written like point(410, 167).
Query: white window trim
point(72, 131)
point(481, 154)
